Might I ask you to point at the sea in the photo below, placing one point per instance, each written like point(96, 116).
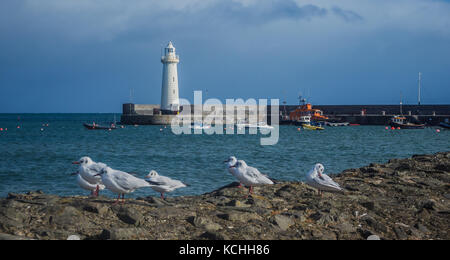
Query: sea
point(39, 154)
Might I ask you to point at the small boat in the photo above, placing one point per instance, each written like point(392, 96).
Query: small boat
point(312, 127)
point(402, 123)
point(336, 124)
point(260, 125)
point(444, 125)
point(95, 126)
point(200, 126)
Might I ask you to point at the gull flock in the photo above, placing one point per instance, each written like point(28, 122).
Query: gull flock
point(96, 176)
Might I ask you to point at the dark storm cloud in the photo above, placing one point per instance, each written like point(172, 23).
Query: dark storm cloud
point(347, 15)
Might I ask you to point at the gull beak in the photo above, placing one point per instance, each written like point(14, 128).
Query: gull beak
point(98, 174)
point(225, 161)
point(76, 162)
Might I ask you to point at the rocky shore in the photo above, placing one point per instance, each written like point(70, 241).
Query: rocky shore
point(402, 199)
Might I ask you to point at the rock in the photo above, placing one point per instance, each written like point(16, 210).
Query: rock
point(123, 234)
point(12, 237)
point(370, 205)
point(428, 204)
point(202, 222)
point(400, 232)
point(66, 216)
point(373, 237)
point(283, 222)
point(130, 216)
point(214, 236)
point(346, 228)
point(239, 216)
point(73, 237)
point(422, 228)
point(371, 222)
point(236, 203)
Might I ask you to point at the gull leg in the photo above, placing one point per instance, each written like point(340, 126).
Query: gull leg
point(96, 191)
point(117, 201)
point(123, 198)
point(162, 195)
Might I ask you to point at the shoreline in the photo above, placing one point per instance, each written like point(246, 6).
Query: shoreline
point(401, 199)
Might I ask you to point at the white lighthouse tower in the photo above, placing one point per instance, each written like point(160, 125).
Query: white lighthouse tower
point(169, 92)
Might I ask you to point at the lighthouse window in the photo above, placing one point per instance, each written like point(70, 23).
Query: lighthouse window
point(170, 50)
point(174, 91)
point(173, 79)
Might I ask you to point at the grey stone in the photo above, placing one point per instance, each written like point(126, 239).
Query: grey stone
point(283, 222)
point(130, 216)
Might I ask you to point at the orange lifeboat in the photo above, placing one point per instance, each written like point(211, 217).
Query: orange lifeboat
point(307, 110)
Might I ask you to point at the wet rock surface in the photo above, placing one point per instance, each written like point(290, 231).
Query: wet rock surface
point(402, 199)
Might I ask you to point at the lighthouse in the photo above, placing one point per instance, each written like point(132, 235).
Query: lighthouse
point(169, 92)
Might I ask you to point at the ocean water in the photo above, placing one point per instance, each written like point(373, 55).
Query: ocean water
point(32, 159)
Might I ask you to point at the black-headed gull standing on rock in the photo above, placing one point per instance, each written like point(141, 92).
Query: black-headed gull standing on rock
point(121, 182)
point(89, 171)
point(250, 176)
point(231, 162)
point(322, 182)
point(163, 184)
point(94, 188)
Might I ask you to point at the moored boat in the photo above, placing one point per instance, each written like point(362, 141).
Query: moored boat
point(95, 126)
point(402, 123)
point(444, 125)
point(312, 127)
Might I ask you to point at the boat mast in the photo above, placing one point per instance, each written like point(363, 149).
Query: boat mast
point(401, 102)
point(420, 76)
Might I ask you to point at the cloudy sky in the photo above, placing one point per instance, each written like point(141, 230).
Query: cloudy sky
point(86, 55)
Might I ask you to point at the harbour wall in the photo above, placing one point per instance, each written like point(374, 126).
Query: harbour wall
point(354, 114)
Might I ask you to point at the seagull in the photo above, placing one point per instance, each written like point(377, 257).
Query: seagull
point(162, 183)
point(89, 171)
point(121, 182)
point(250, 176)
point(94, 188)
point(231, 162)
point(317, 179)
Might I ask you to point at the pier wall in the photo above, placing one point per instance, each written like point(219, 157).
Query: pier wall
point(355, 114)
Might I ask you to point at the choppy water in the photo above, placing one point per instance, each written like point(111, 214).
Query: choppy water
point(31, 159)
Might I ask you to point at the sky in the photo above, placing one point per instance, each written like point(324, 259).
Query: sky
point(87, 56)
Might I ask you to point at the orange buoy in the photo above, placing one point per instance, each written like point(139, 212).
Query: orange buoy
point(392, 128)
point(1, 129)
point(298, 129)
point(398, 128)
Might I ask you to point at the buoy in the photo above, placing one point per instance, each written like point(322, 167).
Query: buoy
point(42, 129)
point(387, 128)
point(392, 128)
point(398, 128)
point(1, 129)
point(438, 130)
point(109, 129)
point(18, 126)
point(160, 129)
point(298, 129)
